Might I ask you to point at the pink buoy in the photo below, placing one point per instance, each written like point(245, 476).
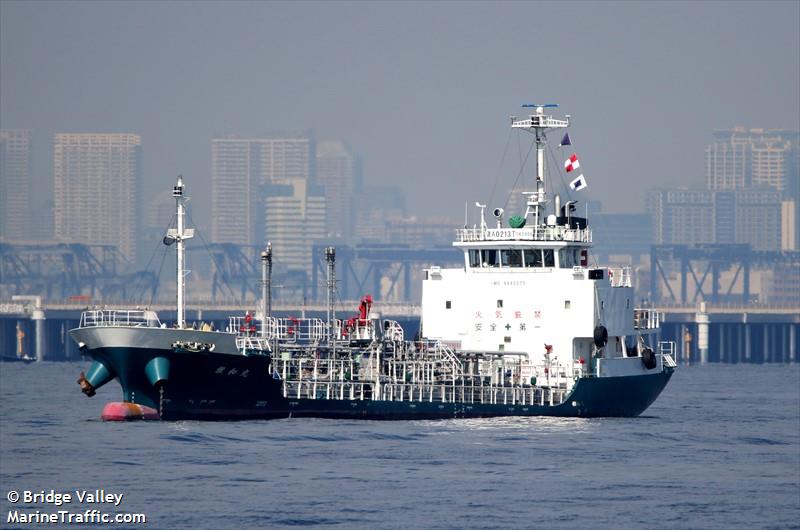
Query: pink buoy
point(124, 411)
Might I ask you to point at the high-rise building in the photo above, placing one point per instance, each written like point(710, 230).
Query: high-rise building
point(240, 168)
point(96, 195)
point(728, 164)
point(621, 233)
point(742, 158)
point(336, 174)
point(697, 216)
point(682, 216)
point(15, 182)
point(294, 219)
point(377, 206)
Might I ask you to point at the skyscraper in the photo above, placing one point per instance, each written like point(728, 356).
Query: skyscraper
point(762, 159)
point(294, 219)
point(96, 196)
point(240, 169)
point(698, 216)
point(741, 158)
point(336, 175)
point(15, 178)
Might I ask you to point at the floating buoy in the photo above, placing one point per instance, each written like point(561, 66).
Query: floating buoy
point(124, 411)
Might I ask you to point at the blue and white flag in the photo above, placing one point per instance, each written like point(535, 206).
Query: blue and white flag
point(578, 184)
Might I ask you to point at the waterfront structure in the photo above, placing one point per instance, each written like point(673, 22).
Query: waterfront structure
point(15, 181)
point(335, 174)
point(96, 194)
point(240, 168)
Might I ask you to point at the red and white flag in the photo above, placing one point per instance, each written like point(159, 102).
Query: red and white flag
point(572, 163)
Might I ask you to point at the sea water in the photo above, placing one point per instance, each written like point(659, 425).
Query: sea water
point(719, 449)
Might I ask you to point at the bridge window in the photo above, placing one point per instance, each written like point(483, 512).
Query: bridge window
point(490, 258)
point(511, 258)
point(549, 257)
point(474, 258)
point(568, 258)
point(533, 257)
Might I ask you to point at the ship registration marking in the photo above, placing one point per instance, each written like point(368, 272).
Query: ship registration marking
point(509, 283)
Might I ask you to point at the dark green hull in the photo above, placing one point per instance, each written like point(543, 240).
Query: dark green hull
point(215, 386)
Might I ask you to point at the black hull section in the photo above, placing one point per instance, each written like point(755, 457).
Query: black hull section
point(209, 386)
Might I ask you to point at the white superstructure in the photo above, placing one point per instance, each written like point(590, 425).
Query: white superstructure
point(527, 294)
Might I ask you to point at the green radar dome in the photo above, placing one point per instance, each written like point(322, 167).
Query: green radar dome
point(516, 221)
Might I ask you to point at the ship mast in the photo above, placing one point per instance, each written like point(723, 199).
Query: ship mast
point(178, 235)
point(538, 124)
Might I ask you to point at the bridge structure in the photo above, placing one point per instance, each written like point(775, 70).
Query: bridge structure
point(71, 270)
point(700, 271)
point(377, 269)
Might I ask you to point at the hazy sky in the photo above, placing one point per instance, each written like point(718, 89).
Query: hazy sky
point(422, 91)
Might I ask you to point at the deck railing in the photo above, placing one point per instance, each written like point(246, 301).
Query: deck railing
point(646, 319)
point(666, 349)
point(459, 392)
point(125, 318)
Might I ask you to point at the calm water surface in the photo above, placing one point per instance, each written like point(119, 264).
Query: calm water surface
point(719, 449)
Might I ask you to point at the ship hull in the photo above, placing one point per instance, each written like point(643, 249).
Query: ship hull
point(221, 386)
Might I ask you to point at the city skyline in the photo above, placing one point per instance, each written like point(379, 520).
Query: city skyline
point(429, 113)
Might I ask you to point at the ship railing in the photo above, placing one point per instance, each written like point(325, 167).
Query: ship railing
point(646, 319)
point(125, 318)
point(305, 330)
point(666, 349)
point(619, 276)
point(538, 233)
point(393, 380)
point(392, 330)
point(250, 344)
point(461, 392)
point(450, 357)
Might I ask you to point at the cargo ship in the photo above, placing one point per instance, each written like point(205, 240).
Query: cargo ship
point(526, 326)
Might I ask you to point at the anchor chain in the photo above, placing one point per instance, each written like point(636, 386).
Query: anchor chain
point(161, 400)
